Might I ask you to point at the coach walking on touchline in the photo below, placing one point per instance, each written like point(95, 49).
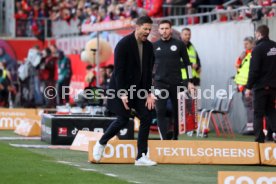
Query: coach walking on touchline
point(134, 59)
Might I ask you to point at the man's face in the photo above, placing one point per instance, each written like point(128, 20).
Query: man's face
point(258, 35)
point(186, 35)
point(248, 45)
point(143, 31)
point(165, 31)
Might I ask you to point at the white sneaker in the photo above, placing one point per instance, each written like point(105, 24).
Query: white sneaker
point(98, 151)
point(274, 137)
point(144, 161)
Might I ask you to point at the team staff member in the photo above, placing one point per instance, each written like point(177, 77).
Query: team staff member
point(167, 75)
point(193, 57)
point(64, 78)
point(5, 86)
point(134, 59)
point(262, 78)
point(241, 78)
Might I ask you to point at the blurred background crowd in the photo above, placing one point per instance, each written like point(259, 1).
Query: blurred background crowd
point(32, 13)
point(23, 84)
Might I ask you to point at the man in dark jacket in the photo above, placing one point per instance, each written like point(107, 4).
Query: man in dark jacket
point(64, 78)
point(168, 55)
point(262, 78)
point(133, 59)
point(5, 84)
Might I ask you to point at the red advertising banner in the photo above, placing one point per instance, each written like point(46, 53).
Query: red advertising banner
point(18, 48)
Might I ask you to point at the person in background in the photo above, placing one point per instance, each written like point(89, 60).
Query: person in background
point(90, 77)
point(272, 12)
point(262, 79)
point(54, 55)
point(5, 86)
point(193, 57)
point(152, 8)
point(242, 65)
point(167, 76)
point(47, 70)
point(102, 77)
point(9, 62)
point(109, 71)
point(64, 78)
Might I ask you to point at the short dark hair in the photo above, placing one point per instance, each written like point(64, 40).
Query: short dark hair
point(165, 22)
point(144, 20)
point(263, 29)
point(186, 29)
point(249, 39)
point(111, 67)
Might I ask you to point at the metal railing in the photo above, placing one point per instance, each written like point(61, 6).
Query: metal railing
point(216, 16)
point(178, 10)
point(174, 9)
point(44, 28)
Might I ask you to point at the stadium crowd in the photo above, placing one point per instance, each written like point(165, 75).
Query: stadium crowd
point(33, 15)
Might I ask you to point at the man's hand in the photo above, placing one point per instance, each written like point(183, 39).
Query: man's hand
point(124, 99)
point(150, 103)
point(194, 66)
point(247, 93)
point(1, 87)
point(237, 66)
point(242, 56)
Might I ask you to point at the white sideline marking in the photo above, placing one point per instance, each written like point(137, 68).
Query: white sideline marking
point(64, 162)
point(19, 138)
point(110, 174)
point(69, 163)
point(134, 182)
point(39, 146)
point(28, 146)
point(86, 169)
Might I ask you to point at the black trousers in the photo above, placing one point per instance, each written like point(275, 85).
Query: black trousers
point(264, 105)
point(161, 110)
point(4, 97)
point(62, 89)
point(145, 121)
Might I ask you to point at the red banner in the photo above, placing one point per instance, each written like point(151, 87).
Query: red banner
point(18, 49)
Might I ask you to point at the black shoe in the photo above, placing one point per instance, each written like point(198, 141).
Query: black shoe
point(268, 139)
point(169, 135)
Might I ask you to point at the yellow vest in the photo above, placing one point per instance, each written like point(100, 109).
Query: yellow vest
point(4, 75)
point(192, 57)
point(242, 73)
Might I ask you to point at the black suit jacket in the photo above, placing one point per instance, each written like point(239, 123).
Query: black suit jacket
point(127, 71)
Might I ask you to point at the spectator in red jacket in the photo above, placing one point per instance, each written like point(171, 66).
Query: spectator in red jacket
point(153, 8)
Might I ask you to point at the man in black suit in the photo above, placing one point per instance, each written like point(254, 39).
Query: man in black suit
point(133, 63)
